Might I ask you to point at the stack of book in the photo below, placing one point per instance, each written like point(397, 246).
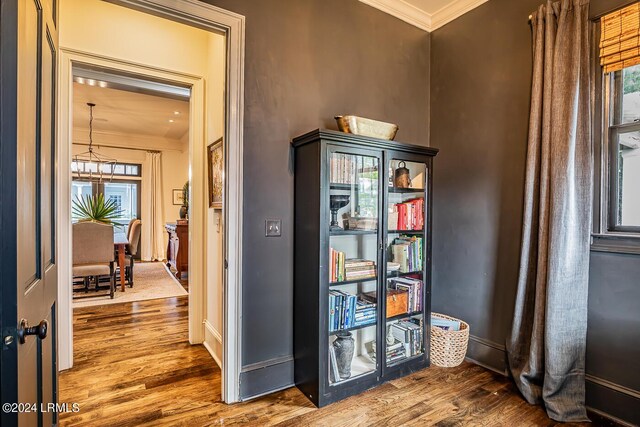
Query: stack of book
point(365, 313)
point(407, 251)
point(342, 269)
point(355, 269)
point(413, 287)
point(408, 215)
point(409, 334)
point(342, 168)
point(395, 352)
point(348, 311)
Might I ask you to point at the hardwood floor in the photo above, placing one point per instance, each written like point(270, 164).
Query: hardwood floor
point(133, 366)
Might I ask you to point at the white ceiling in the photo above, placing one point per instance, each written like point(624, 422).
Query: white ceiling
point(123, 112)
point(428, 15)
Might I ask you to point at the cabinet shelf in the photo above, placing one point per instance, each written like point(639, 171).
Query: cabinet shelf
point(392, 274)
point(404, 315)
point(405, 232)
point(405, 190)
point(351, 282)
point(355, 328)
point(337, 186)
point(352, 232)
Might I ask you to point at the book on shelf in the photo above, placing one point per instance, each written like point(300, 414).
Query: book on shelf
point(407, 251)
point(407, 215)
point(343, 269)
point(349, 311)
point(335, 375)
point(395, 352)
point(414, 289)
point(409, 335)
point(342, 168)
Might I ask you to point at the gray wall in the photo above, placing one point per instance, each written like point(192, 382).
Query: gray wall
point(480, 93)
point(305, 62)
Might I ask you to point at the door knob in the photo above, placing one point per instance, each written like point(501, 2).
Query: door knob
point(40, 330)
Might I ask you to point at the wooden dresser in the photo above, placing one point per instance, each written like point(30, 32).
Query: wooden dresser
point(178, 247)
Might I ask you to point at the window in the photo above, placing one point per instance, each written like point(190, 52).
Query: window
point(126, 194)
point(617, 185)
point(118, 169)
point(624, 149)
point(125, 190)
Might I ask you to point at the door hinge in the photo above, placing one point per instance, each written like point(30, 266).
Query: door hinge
point(226, 264)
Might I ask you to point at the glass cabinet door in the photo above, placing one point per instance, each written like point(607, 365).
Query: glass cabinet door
point(354, 256)
point(406, 222)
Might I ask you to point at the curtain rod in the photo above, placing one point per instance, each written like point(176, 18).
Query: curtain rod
point(127, 148)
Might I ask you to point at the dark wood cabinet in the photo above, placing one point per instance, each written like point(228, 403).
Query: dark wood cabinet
point(362, 263)
point(178, 247)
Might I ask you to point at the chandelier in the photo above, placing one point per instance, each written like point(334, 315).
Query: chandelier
point(91, 163)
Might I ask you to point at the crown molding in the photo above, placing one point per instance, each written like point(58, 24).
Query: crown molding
point(421, 19)
point(404, 11)
point(452, 11)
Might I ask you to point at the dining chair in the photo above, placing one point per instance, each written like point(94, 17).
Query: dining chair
point(93, 253)
point(129, 228)
point(134, 240)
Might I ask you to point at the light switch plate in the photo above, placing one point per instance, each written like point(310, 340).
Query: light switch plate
point(273, 227)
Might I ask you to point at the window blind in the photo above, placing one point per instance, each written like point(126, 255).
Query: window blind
point(620, 39)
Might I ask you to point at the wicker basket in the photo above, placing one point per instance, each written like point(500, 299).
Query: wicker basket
point(448, 348)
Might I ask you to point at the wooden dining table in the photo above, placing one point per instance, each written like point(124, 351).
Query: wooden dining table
point(120, 243)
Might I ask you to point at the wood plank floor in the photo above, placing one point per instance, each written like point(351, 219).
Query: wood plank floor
point(133, 366)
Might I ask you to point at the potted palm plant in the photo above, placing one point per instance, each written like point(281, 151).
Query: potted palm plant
point(96, 209)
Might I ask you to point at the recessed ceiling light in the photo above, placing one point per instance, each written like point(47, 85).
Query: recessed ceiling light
point(102, 84)
point(170, 120)
point(176, 113)
point(80, 80)
point(91, 82)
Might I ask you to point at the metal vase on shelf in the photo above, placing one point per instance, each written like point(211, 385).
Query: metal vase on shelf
point(336, 202)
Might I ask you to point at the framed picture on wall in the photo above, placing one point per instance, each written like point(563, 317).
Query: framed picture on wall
point(215, 155)
point(177, 196)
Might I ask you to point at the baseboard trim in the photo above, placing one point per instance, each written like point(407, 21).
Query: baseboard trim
point(485, 366)
point(609, 417)
point(216, 336)
point(258, 379)
point(613, 401)
point(213, 354)
point(488, 354)
point(613, 386)
point(275, 390)
point(267, 363)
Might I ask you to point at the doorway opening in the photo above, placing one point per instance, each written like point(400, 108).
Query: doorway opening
point(214, 113)
point(130, 154)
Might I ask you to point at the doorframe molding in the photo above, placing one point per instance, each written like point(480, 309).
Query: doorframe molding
point(232, 26)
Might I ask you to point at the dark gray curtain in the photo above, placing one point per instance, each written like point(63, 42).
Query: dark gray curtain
point(546, 348)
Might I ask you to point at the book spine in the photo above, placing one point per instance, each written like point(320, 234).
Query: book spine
point(332, 311)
